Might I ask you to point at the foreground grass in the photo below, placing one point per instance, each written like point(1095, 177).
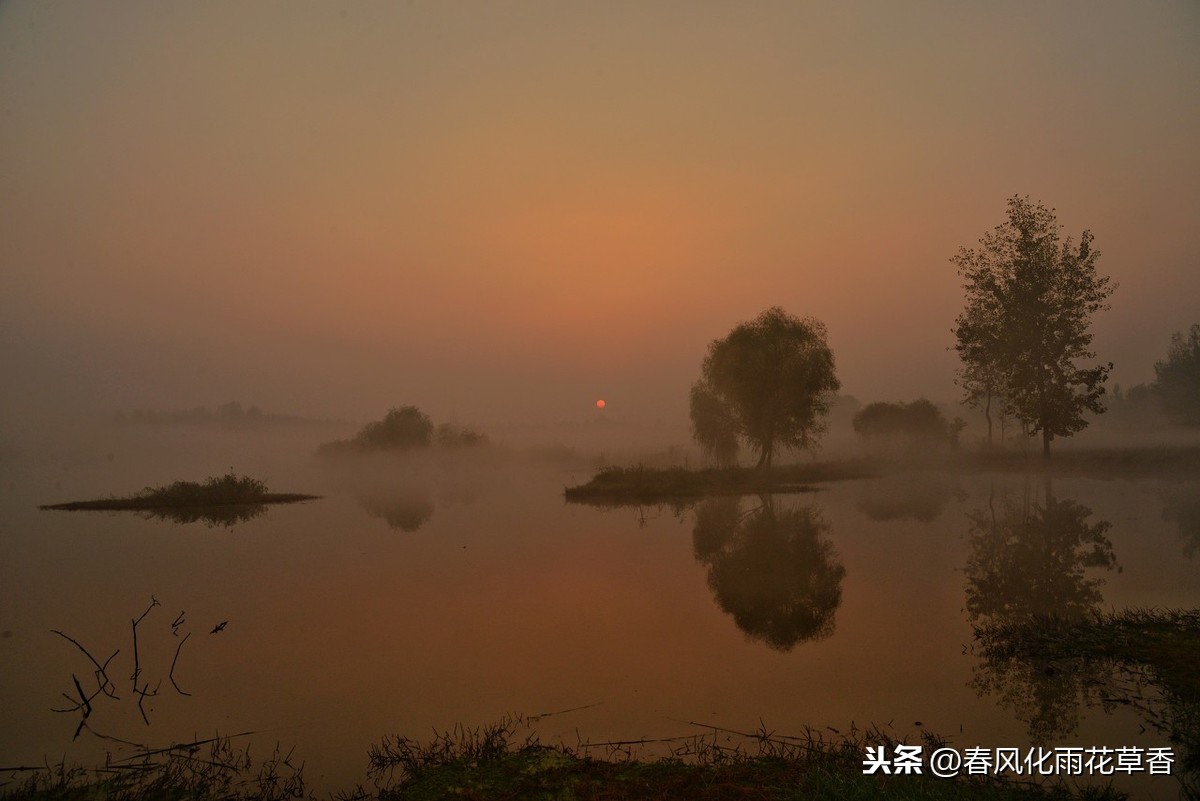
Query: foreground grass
point(484, 765)
point(228, 490)
point(620, 485)
point(489, 764)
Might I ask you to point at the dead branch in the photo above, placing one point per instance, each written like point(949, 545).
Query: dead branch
point(171, 675)
point(101, 674)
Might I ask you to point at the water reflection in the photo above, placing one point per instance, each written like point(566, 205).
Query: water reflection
point(1029, 560)
point(920, 496)
point(771, 567)
point(1182, 507)
point(212, 516)
point(403, 510)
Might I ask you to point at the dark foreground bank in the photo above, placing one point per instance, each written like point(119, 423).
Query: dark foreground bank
point(491, 763)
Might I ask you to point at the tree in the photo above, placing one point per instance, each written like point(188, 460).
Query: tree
point(713, 425)
point(405, 427)
point(1177, 380)
point(769, 382)
point(918, 424)
point(1030, 298)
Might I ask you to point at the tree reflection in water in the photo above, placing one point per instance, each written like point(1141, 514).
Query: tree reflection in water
point(1027, 561)
point(223, 516)
point(1182, 507)
point(771, 567)
point(910, 495)
point(405, 510)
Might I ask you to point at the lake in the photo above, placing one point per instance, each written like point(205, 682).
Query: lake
point(442, 590)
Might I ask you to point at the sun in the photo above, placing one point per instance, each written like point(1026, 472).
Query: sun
point(600, 404)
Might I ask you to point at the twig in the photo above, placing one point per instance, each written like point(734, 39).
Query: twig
point(536, 718)
point(142, 693)
point(171, 675)
point(100, 669)
point(86, 702)
point(137, 670)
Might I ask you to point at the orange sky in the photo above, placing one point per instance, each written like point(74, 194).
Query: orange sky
point(503, 211)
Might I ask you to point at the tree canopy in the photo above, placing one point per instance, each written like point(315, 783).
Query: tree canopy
point(770, 382)
point(1025, 326)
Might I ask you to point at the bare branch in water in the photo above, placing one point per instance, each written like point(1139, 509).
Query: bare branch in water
point(101, 674)
point(171, 675)
point(137, 670)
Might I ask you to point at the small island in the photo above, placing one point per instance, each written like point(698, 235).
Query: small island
point(618, 486)
point(228, 490)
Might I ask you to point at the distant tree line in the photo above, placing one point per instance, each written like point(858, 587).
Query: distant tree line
point(1175, 391)
point(406, 428)
point(227, 414)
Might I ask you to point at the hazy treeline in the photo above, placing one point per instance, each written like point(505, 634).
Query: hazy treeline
point(1174, 394)
point(231, 414)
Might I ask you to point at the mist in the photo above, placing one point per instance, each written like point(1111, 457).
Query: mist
point(375, 345)
point(502, 215)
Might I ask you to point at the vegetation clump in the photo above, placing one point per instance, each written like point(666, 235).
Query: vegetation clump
point(909, 427)
point(402, 429)
point(227, 490)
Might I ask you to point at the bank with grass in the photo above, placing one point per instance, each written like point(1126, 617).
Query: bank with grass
point(227, 490)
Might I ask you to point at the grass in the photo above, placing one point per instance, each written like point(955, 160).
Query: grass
point(227, 490)
point(490, 763)
point(637, 485)
point(206, 770)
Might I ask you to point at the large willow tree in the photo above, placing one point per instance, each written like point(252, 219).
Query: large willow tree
point(1026, 324)
point(769, 382)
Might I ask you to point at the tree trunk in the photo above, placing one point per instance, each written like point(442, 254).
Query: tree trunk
point(768, 451)
point(1046, 437)
point(987, 412)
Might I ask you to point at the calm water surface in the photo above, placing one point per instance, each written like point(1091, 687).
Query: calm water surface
point(452, 590)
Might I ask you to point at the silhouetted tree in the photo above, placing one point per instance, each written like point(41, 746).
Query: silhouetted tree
point(1030, 298)
point(770, 381)
point(980, 346)
point(773, 570)
point(1177, 380)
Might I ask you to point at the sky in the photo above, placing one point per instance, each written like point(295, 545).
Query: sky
point(503, 211)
